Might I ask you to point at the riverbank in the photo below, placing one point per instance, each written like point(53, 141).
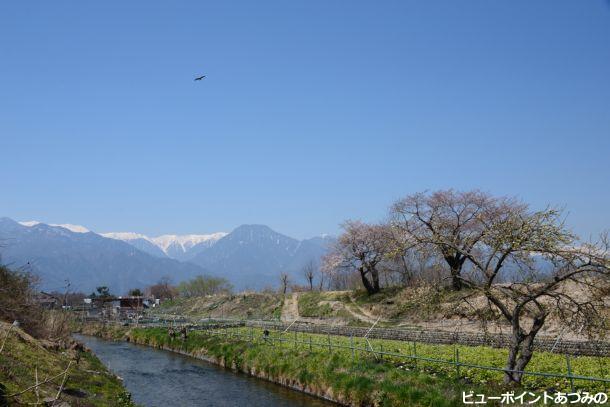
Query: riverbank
point(24, 360)
point(159, 378)
point(333, 377)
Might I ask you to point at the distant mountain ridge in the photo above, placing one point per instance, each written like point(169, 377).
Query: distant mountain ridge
point(85, 259)
point(251, 256)
point(255, 255)
point(179, 247)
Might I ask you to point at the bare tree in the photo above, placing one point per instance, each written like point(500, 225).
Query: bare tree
point(309, 271)
point(163, 290)
point(515, 241)
point(452, 222)
point(321, 279)
point(284, 280)
point(361, 247)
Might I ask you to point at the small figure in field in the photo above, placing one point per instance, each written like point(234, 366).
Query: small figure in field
point(266, 335)
point(183, 331)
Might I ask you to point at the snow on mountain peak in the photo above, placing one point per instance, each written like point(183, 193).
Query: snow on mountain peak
point(185, 241)
point(73, 228)
point(126, 236)
point(69, 226)
point(30, 223)
point(174, 246)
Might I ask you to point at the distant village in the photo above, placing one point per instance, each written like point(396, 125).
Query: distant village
point(97, 306)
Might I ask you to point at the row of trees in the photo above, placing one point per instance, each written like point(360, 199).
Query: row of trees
point(526, 264)
point(314, 277)
point(204, 285)
point(165, 289)
point(196, 287)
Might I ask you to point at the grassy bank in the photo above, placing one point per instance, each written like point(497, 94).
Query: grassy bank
point(358, 378)
point(88, 382)
point(546, 362)
point(246, 306)
point(334, 376)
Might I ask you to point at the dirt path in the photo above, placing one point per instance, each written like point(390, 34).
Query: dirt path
point(290, 311)
point(360, 313)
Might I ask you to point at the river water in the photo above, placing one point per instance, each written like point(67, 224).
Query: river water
point(159, 378)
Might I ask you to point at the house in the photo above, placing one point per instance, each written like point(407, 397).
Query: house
point(46, 300)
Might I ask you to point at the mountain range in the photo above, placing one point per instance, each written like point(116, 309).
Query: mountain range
point(179, 247)
point(251, 256)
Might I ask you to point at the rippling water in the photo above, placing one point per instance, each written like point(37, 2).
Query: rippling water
point(160, 378)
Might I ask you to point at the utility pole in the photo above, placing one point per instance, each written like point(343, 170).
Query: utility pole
point(66, 294)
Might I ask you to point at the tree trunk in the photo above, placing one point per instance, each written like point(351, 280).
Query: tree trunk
point(455, 263)
point(456, 281)
point(370, 288)
point(521, 350)
point(375, 277)
point(513, 354)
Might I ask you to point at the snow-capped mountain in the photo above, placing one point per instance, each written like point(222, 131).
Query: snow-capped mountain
point(69, 226)
point(86, 259)
point(251, 256)
point(185, 247)
point(139, 241)
point(179, 247)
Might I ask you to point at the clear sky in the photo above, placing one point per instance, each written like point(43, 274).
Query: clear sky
point(312, 111)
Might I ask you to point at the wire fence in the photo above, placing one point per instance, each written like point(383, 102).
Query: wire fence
point(413, 334)
point(275, 337)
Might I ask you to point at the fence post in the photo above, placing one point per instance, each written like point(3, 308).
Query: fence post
point(295, 339)
point(329, 346)
point(310, 343)
point(351, 344)
point(457, 362)
point(570, 372)
point(415, 353)
point(251, 334)
point(381, 351)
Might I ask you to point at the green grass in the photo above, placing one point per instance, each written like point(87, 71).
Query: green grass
point(22, 355)
point(391, 380)
point(245, 306)
point(309, 305)
point(364, 381)
point(477, 355)
point(315, 304)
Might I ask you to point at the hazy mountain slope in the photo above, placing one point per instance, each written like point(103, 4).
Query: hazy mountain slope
point(140, 242)
point(310, 250)
point(253, 256)
point(85, 259)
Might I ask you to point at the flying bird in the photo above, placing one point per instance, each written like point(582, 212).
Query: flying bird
point(200, 77)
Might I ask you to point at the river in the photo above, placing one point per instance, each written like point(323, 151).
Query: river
point(159, 378)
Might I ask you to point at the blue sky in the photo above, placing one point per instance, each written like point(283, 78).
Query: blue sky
point(312, 112)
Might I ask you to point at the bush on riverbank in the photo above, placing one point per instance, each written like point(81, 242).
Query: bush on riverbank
point(88, 382)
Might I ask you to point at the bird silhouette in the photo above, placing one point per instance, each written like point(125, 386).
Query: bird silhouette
point(200, 77)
